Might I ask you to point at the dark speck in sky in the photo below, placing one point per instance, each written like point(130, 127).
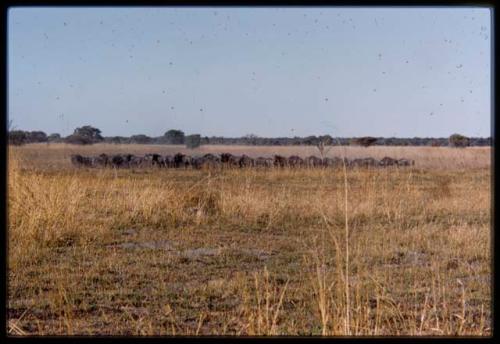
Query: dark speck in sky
point(65, 24)
point(170, 63)
point(326, 99)
point(459, 66)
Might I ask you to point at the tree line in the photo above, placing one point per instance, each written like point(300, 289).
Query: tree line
point(89, 135)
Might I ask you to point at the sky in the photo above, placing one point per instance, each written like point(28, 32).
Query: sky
point(229, 71)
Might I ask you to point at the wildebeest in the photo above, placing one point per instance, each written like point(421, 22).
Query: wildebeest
point(386, 161)
point(168, 160)
point(78, 160)
point(154, 160)
point(365, 162)
point(136, 161)
point(405, 162)
point(182, 161)
point(332, 162)
point(246, 161)
point(201, 162)
point(197, 162)
point(280, 161)
point(264, 162)
point(118, 161)
point(211, 161)
point(229, 160)
point(313, 161)
point(295, 161)
point(101, 160)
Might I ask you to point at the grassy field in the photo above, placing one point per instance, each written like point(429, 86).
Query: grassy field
point(250, 252)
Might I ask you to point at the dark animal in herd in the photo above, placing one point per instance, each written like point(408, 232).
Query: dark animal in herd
point(226, 160)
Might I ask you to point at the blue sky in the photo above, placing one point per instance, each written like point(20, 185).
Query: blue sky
point(341, 71)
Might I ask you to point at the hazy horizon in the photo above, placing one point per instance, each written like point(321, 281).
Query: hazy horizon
point(272, 72)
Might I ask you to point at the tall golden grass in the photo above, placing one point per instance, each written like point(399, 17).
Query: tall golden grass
point(249, 252)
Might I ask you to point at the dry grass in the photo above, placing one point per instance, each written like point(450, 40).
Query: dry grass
point(247, 252)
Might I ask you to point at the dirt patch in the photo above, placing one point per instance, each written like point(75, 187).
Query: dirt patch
point(153, 245)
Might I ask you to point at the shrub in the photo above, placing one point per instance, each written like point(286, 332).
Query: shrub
point(141, 139)
point(78, 140)
point(54, 138)
point(193, 141)
point(174, 137)
point(89, 132)
point(18, 137)
point(363, 141)
point(459, 141)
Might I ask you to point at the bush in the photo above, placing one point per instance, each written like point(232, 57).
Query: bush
point(54, 138)
point(89, 132)
point(37, 136)
point(363, 141)
point(78, 140)
point(141, 139)
point(174, 137)
point(458, 141)
point(18, 137)
point(193, 141)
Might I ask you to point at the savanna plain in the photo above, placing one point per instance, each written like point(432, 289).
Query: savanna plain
point(322, 251)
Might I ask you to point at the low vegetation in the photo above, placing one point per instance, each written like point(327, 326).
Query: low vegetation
point(249, 252)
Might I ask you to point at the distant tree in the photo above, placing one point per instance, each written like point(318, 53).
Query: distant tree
point(141, 139)
point(116, 139)
point(250, 139)
point(434, 143)
point(37, 136)
point(174, 137)
point(363, 141)
point(457, 140)
point(54, 137)
point(89, 132)
point(310, 140)
point(193, 141)
point(18, 137)
point(78, 140)
point(323, 142)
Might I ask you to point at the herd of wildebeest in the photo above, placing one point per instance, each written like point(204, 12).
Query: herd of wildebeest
point(180, 160)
